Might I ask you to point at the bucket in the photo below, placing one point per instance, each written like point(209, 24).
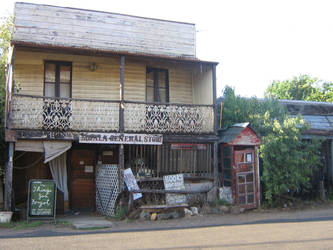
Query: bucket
point(5, 216)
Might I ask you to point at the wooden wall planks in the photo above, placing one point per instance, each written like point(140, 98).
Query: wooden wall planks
point(104, 83)
point(68, 27)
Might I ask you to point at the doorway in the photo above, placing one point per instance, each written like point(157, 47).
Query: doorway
point(245, 178)
point(82, 181)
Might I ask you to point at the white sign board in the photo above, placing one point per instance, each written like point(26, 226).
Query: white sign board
point(174, 182)
point(88, 169)
point(225, 193)
point(121, 138)
point(131, 183)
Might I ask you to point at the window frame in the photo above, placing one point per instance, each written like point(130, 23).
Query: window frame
point(57, 76)
point(156, 83)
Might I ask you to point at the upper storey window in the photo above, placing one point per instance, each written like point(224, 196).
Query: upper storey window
point(58, 79)
point(157, 86)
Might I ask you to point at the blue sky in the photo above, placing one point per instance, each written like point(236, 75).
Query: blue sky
point(255, 41)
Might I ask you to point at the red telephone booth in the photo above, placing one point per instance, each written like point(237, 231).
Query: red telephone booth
point(239, 164)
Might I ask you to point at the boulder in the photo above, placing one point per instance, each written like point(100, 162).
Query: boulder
point(153, 216)
point(212, 194)
point(195, 210)
point(237, 210)
point(224, 209)
point(135, 214)
point(144, 215)
point(188, 212)
point(168, 216)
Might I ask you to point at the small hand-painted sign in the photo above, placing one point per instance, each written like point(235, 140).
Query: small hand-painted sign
point(174, 182)
point(41, 199)
point(131, 183)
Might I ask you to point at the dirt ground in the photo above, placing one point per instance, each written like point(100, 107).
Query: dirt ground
point(305, 212)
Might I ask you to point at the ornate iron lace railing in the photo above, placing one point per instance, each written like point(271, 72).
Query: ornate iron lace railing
point(169, 118)
point(36, 112)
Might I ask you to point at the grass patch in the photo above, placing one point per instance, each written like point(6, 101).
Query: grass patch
point(7, 225)
point(19, 225)
point(219, 202)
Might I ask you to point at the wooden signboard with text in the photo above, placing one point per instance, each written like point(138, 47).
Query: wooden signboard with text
point(41, 199)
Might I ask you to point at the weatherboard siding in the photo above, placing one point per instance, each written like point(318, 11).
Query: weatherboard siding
point(104, 82)
point(95, 30)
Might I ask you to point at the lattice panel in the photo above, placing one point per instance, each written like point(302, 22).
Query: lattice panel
point(107, 188)
point(26, 112)
point(63, 114)
point(57, 114)
point(95, 116)
point(169, 118)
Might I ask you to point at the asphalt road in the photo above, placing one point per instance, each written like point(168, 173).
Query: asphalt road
point(289, 235)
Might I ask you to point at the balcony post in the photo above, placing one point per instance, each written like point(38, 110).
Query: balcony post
point(215, 151)
point(121, 119)
point(122, 80)
point(9, 178)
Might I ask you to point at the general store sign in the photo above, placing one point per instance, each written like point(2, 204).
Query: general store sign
point(121, 138)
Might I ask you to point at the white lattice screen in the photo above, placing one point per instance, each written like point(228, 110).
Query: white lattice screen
point(107, 188)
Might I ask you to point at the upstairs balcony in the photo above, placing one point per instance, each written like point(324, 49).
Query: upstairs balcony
point(68, 114)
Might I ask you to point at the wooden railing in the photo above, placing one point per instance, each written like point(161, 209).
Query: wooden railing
point(68, 114)
point(169, 118)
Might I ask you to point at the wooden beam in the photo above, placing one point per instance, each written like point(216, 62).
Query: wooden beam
point(215, 164)
point(162, 191)
point(214, 98)
point(121, 122)
point(9, 179)
point(215, 150)
point(122, 82)
point(190, 138)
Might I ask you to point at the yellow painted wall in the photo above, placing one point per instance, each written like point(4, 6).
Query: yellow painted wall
point(203, 85)
point(104, 83)
point(186, 84)
point(135, 80)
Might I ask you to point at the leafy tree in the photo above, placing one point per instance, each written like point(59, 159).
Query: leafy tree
point(301, 88)
point(237, 109)
point(288, 161)
point(5, 36)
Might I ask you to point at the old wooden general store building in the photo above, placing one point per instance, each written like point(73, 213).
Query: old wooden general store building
point(100, 92)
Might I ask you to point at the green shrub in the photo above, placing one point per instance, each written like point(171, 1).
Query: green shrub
point(121, 212)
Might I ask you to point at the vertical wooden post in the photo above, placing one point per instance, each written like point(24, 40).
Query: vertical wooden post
point(214, 98)
point(122, 82)
point(215, 162)
point(215, 152)
point(121, 122)
point(9, 178)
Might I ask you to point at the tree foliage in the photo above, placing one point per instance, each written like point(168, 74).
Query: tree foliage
point(301, 88)
point(287, 159)
point(237, 109)
point(5, 36)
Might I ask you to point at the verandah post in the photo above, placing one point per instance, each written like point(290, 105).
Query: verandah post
point(9, 178)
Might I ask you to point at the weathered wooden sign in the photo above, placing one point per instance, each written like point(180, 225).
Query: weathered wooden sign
point(121, 138)
point(174, 182)
point(131, 183)
point(41, 199)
